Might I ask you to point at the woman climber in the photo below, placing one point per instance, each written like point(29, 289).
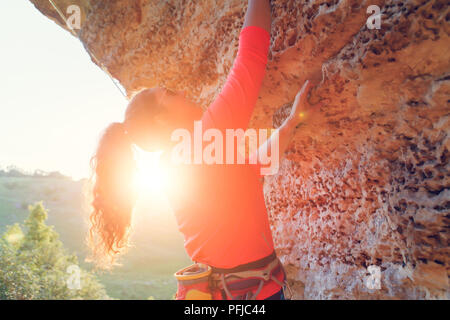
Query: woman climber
point(220, 209)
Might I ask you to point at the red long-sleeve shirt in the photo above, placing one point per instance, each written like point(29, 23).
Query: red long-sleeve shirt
point(220, 209)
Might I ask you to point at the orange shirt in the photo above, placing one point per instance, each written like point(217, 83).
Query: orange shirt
point(220, 209)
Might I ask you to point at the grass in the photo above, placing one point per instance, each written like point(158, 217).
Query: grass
point(147, 269)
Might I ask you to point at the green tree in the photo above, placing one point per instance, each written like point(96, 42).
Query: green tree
point(35, 265)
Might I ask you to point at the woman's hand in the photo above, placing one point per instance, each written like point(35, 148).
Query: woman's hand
point(301, 110)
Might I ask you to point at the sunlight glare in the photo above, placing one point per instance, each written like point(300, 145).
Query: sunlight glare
point(152, 176)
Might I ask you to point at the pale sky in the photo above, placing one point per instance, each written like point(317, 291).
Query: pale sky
point(54, 101)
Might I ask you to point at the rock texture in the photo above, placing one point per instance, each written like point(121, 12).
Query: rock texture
point(366, 181)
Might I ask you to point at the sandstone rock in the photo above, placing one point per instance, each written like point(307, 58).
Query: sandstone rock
point(364, 183)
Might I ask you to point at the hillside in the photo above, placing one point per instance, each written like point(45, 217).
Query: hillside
point(147, 268)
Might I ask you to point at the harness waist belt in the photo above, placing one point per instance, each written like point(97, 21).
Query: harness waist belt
point(261, 263)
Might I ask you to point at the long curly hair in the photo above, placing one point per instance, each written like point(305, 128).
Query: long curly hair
point(111, 188)
point(113, 196)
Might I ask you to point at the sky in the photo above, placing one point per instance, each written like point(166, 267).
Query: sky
point(54, 102)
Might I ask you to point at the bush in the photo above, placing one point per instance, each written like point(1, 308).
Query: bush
point(34, 264)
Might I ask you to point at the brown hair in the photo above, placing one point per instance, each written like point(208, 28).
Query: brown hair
point(111, 187)
point(113, 195)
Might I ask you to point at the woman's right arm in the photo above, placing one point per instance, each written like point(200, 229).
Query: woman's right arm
point(300, 112)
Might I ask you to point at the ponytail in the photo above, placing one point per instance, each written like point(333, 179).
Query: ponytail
point(113, 196)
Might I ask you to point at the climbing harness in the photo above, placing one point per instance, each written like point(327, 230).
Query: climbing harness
point(97, 61)
point(202, 282)
point(245, 283)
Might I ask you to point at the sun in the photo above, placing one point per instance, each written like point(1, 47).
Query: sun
point(152, 176)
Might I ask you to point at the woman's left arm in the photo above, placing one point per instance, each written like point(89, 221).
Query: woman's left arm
point(258, 14)
point(234, 105)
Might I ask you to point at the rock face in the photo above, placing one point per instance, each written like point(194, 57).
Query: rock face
point(366, 181)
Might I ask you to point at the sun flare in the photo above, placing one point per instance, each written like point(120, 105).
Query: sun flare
point(152, 176)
